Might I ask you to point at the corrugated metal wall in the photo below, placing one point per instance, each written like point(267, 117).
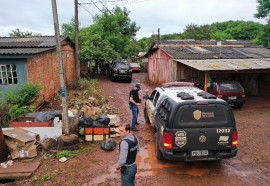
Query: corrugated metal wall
point(161, 68)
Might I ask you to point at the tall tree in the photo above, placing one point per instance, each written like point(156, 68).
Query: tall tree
point(263, 38)
point(145, 43)
point(117, 28)
point(93, 48)
point(18, 33)
point(193, 31)
point(170, 36)
point(240, 30)
point(67, 29)
point(263, 9)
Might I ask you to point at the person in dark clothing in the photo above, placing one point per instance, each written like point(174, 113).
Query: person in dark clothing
point(128, 150)
point(134, 102)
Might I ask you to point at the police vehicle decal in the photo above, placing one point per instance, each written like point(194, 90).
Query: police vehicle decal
point(180, 138)
point(223, 140)
point(197, 114)
point(223, 130)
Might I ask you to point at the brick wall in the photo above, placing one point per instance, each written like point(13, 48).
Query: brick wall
point(43, 68)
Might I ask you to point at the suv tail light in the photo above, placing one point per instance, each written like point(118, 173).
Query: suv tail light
point(168, 140)
point(234, 138)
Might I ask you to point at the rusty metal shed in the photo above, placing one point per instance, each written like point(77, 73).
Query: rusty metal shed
point(227, 64)
point(196, 61)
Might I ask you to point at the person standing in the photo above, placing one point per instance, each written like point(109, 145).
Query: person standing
point(134, 102)
point(128, 150)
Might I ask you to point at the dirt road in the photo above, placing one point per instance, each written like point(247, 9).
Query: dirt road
point(250, 167)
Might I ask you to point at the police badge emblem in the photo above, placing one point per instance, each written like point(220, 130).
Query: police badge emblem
point(197, 114)
point(180, 138)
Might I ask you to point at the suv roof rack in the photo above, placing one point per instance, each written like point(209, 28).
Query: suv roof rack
point(206, 95)
point(177, 84)
point(185, 96)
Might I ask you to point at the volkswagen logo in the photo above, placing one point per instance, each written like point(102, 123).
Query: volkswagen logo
point(202, 138)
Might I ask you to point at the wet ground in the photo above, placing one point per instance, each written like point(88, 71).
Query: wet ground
point(251, 166)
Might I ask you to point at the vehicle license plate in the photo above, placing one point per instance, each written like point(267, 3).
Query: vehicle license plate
point(122, 71)
point(199, 153)
point(233, 97)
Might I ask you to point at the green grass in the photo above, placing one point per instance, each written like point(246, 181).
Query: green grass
point(74, 153)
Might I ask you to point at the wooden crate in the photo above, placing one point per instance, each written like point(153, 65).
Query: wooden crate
point(97, 133)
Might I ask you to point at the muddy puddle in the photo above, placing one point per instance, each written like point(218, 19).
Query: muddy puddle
point(148, 165)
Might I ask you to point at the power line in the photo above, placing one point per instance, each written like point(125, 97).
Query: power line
point(105, 7)
point(102, 2)
point(85, 8)
point(116, 1)
point(99, 2)
point(96, 5)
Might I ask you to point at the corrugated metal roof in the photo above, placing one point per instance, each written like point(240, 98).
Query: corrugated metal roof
point(28, 45)
point(256, 52)
point(227, 64)
point(208, 42)
point(23, 50)
point(203, 52)
point(41, 41)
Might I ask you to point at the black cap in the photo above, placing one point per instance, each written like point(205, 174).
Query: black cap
point(138, 86)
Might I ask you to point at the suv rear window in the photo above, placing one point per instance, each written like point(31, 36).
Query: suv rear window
point(198, 116)
point(123, 65)
point(230, 87)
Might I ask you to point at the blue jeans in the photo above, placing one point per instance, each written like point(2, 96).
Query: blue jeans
point(134, 109)
point(128, 176)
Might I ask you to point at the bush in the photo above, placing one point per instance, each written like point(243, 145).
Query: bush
point(23, 95)
point(18, 100)
point(4, 114)
point(16, 110)
point(142, 66)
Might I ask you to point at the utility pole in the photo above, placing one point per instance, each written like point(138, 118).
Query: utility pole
point(61, 71)
point(77, 52)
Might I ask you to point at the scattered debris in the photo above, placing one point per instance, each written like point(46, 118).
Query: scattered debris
point(67, 141)
point(18, 170)
point(108, 144)
point(63, 159)
point(49, 143)
point(21, 143)
point(114, 120)
point(6, 164)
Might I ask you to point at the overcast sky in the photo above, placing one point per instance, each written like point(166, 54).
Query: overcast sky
point(171, 16)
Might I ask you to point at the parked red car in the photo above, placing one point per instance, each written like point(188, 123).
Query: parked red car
point(135, 67)
point(230, 91)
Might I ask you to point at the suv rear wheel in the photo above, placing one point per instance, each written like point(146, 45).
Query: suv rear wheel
point(158, 152)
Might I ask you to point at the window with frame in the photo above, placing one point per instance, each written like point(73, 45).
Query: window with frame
point(8, 74)
point(153, 95)
point(156, 98)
